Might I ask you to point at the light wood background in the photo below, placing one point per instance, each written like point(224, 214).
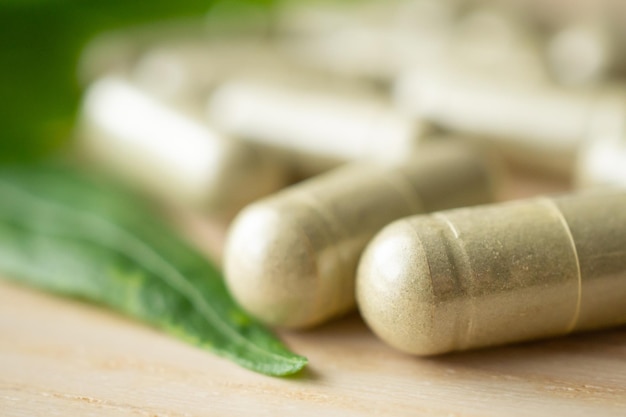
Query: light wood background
point(64, 357)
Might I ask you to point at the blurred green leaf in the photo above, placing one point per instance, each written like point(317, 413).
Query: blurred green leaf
point(40, 45)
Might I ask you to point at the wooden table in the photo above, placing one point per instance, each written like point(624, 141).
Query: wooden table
point(64, 357)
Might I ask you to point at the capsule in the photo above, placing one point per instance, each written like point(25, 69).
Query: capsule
point(380, 49)
point(169, 152)
point(165, 47)
point(581, 54)
point(602, 160)
point(335, 36)
point(314, 129)
point(194, 67)
point(291, 258)
point(538, 125)
point(496, 274)
point(298, 19)
point(603, 163)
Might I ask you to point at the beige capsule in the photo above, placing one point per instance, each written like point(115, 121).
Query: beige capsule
point(164, 149)
point(291, 258)
point(497, 274)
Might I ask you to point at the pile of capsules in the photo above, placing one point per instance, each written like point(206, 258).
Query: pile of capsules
point(328, 131)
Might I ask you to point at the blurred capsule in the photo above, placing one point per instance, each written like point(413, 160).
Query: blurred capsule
point(291, 258)
point(316, 130)
point(538, 125)
point(485, 39)
point(106, 54)
point(170, 152)
point(586, 38)
point(581, 54)
point(297, 19)
point(495, 274)
point(219, 33)
point(372, 40)
point(602, 158)
point(369, 53)
point(116, 52)
point(603, 163)
point(193, 67)
point(496, 42)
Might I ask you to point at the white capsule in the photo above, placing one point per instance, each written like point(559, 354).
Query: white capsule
point(490, 41)
point(539, 125)
point(603, 163)
point(367, 39)
point(602, 159)
point(581, 54)
point(170, 152)
point(193, 67)
point(317, 130)
point(484, 40)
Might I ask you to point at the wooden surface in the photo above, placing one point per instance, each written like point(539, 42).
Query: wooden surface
point(64, 357)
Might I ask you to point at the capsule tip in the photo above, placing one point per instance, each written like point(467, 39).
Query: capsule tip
point(396, 291)
point(270, 267)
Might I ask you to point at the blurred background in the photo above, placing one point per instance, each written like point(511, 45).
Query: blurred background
point(213, 104)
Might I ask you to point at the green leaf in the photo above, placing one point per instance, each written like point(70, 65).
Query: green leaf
point(76, 236)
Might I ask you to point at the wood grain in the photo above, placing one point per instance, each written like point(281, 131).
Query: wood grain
point(60, 356)
point(63, 356)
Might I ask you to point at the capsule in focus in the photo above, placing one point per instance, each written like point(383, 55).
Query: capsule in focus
point(291, 258)
point(497, 274)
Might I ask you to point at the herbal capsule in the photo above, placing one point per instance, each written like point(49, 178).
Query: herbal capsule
point(167, 151)
point(538, 125)
point(291, 258)
point(496, 274)
point(316, 130)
